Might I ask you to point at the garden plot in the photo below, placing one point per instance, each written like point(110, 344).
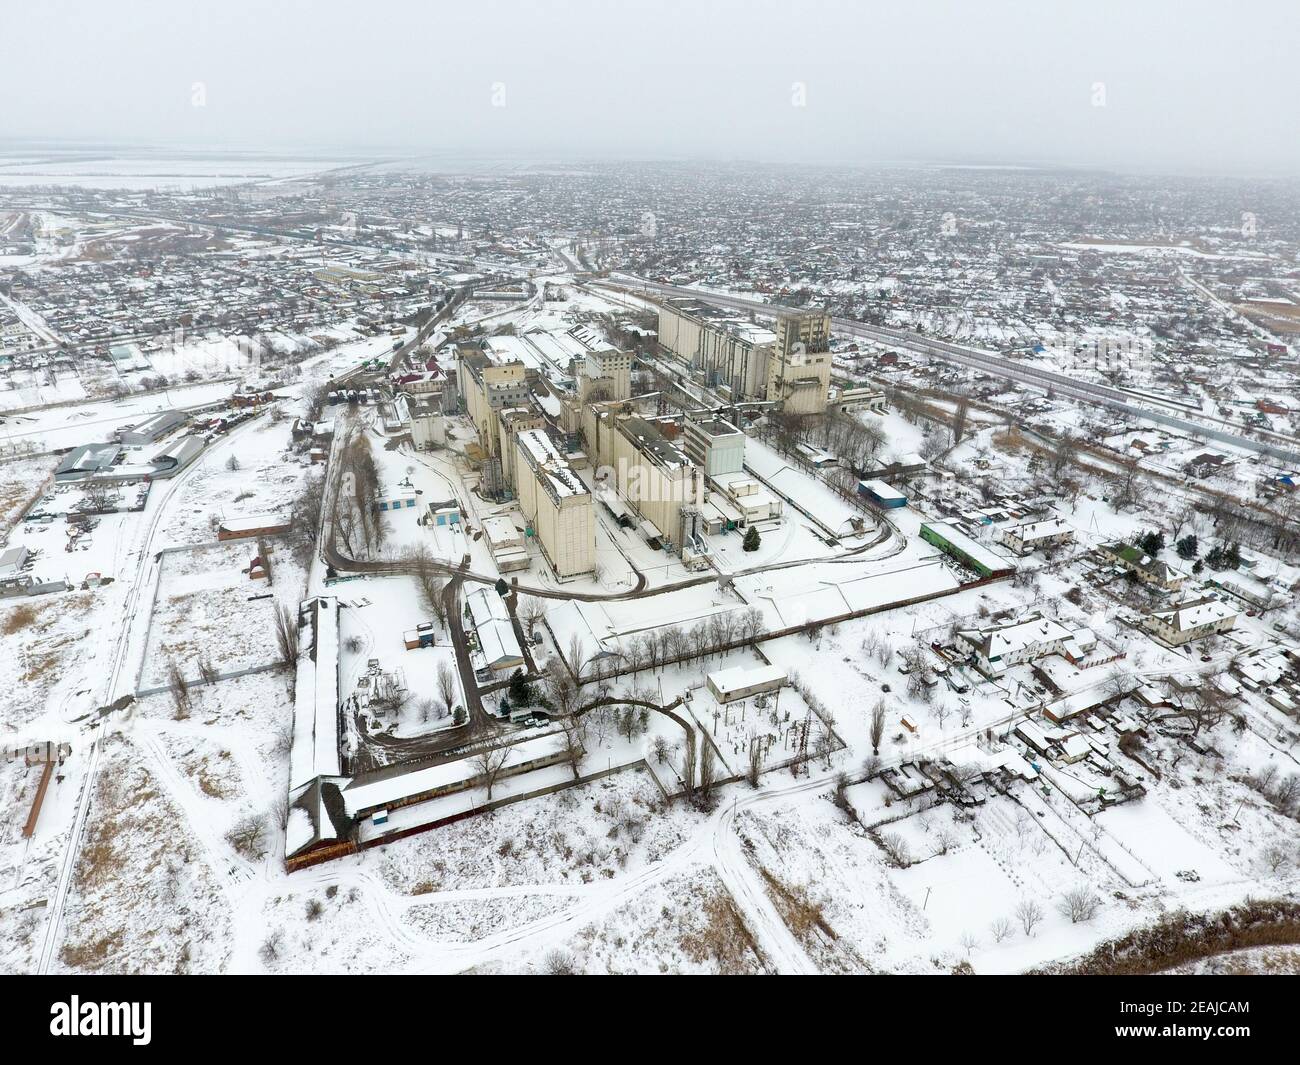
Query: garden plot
point(22, 481)
point(205, 611)
point(143, 898)
point(375, 616)
point(328, 930)
point(830, 884)
point(467, 920)
point(50, 648)
point(582, 835)
point(1214, 804)
point(688, 923)
point(1165, 846)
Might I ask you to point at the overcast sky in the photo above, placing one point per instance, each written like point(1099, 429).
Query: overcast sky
point(1179, 86)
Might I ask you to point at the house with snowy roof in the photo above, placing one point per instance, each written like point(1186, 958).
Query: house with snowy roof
point(1191, 620)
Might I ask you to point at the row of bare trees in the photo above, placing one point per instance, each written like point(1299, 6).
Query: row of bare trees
point(360, 522)
point(305, 517)
point(651, 650)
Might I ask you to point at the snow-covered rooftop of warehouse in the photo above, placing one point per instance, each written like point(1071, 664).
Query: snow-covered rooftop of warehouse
point(315, 750)
point(384, 786)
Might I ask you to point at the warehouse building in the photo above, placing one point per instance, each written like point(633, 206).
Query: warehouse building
point(970, 553)
point(881, 495)
point(155, 427)
point(740, 682)
point(497, 644)
point(506, 544)
point(84, 462)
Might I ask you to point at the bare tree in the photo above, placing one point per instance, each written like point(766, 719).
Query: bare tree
point(446, 686)
point(877, 726)
point(207, 671)
point(1208, 705)
point(286, 635)
point(755, 760)
point(895, 846)
point(180, 690)
point(704, 792)
point(488, 765)
point(1029, 914)
point(531, 611)
point(1001, 928)
point(248, 837)
point(561, 688)
point(1120, 682)
point(1079, 904)
point(959, 420)
point(574, 747)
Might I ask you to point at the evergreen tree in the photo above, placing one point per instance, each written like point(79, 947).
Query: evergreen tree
point(1187, 546)
point(751, 540)
point(1152, 543)
point(519, 689)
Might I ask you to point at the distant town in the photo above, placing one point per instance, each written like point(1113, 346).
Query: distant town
point(418, 567)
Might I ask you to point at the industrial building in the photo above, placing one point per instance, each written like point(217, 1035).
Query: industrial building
point(486, 389)
point(506, 544)
point(87, 460)
point(428, 426)
point(252, 525)
point(716, 446)
point(605, 375)
point(650, 473)
point(315, 766)
point(510, 423)
point(497, 643)
point(788, 365)
point(556, 503)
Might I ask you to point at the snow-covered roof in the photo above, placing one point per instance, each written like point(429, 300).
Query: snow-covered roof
point(496, 634)
point(725, 681)
point(315, 750)
point(1039, 530)
point(384, 786)
point(252, 522)
point(1188, 616)
point(549, 465)
point(1007, 640)
point(881, 490)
